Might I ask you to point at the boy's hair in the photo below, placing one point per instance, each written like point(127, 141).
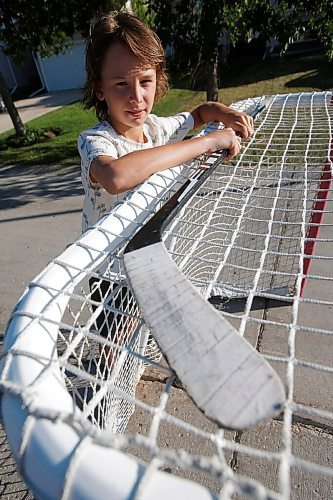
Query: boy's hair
point(137, 37)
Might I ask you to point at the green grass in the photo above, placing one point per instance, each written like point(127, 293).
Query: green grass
point(62, 149)
point(290, 74)
point(302, 73)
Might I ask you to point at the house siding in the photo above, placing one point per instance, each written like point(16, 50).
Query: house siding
point(64, 71)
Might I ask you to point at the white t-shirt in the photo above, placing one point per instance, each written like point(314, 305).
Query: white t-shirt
point(102, 139)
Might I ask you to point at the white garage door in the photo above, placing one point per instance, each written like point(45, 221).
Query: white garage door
point(65, 71)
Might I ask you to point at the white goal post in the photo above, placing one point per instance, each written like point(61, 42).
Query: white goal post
point(81, 429)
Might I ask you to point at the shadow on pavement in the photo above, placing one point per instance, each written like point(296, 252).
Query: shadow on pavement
point(20, 186)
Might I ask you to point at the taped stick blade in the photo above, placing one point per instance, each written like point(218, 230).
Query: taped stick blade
point(224, 375)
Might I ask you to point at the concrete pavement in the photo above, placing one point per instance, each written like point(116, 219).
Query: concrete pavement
point(40, 105)
point(35, 202)
point(40, 214)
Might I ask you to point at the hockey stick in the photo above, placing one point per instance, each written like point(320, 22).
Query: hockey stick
point(223, 374)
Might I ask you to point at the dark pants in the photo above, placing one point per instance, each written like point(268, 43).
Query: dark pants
point(110, 323)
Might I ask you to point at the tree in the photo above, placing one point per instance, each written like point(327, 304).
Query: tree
point(45, 27)
point(195, 29)
point(141, 9)
point(290, 19)
point(11, 108)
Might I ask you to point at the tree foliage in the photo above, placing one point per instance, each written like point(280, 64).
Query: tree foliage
point(46, 26)
point(141, 9)
point(196, 29)
point(292, 19)
point(43, 26)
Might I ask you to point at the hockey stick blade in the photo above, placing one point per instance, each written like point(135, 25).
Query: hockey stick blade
point(224, 375)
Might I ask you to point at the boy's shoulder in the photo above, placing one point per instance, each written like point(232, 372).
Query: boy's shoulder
point(100, 127)
point(173, 128)
point(156, 120)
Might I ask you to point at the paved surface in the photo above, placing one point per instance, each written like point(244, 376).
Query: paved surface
point(40, 213)
point(39, 105)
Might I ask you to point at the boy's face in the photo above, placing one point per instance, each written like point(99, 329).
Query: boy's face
point(128, 88)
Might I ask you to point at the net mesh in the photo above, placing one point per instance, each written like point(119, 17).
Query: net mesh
point(245, 241)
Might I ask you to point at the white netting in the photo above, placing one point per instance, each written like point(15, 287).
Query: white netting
point(245, 241)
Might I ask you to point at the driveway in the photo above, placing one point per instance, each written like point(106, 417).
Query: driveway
point(40, 214)
point(40, 105)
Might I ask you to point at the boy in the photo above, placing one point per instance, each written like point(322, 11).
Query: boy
point(125, 65)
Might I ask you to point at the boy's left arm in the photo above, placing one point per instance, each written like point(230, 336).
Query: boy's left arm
point(216, 111)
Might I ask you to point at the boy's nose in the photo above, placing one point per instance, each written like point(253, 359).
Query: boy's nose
point(136, 94)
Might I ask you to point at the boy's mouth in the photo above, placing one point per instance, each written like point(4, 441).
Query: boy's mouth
point(136, 113)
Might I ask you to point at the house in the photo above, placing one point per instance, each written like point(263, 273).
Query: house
point(19, 77)
point(37, 74)
point(64, 71)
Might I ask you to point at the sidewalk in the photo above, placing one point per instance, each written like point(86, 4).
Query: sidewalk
point(39, 105)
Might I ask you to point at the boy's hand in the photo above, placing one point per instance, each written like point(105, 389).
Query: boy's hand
point(218, 112)
point(225, 139)
point(238, 121)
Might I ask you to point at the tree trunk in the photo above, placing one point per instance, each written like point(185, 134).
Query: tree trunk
point(212, 87)
point(209, 33)
point(13, 113)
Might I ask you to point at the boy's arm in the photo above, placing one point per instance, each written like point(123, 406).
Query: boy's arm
point(120, 175)
point(216, 111)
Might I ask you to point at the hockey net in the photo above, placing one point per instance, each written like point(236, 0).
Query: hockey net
point(246, 241)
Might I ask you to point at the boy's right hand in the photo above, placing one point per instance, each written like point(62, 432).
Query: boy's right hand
point(225, 139)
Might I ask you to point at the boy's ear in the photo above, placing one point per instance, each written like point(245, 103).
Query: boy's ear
point(99, 94)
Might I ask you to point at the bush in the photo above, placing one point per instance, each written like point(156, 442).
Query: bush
point(32, 136)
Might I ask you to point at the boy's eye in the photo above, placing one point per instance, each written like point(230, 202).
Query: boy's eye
point(121, 84)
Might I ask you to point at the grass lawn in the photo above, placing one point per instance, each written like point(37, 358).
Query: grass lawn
point(290, 74)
